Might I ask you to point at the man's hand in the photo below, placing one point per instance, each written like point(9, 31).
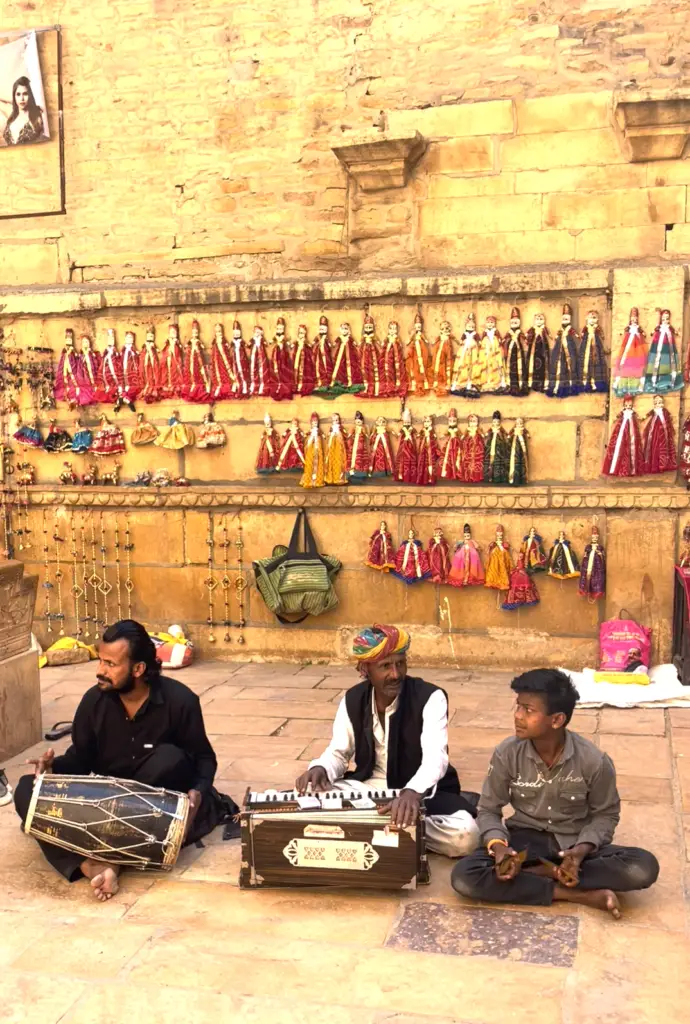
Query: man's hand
point(508, 862)
point(568, 871)
point(194, 805)
point(44, 763)
point(404, 809)
point(317, 777)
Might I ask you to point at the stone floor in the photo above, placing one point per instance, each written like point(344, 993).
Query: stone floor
point(192, 947)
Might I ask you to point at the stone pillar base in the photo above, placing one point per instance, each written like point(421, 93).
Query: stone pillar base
point(20, 704)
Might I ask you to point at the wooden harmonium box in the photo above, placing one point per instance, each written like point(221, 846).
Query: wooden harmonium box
point(330, 839)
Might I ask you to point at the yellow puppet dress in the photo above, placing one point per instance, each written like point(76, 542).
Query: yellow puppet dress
point(176, 435)
point(336, 453)
point(499, 564)
point(313, 474)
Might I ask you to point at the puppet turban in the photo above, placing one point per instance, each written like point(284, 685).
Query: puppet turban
point(379, 642)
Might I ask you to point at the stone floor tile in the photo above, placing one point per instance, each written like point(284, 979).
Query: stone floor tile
point(640, 789)
point(630, 753)
point(683, 774)
point(48, 893)
point(300, 681)
point(265, 747)
point(223, 692)
point(460, 737)
point(217, 863)
point(293, 708)
point(686, 831)
point(117, 1004)
point(282, 768)
point(28, 999)
point(679, 718)
point(85, 949)
point(309, 728)
point(224, 725)
point(18, 931)
point(637, 721)
point(313, 749)
point(652, 823)
point(278, 693)
point(494, 718)
point(680, 743)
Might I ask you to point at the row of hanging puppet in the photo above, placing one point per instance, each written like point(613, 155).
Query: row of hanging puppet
point(109, 439)
point(354, 456)
point(411, 562)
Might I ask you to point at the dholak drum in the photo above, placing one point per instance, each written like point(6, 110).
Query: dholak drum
point(119, 821)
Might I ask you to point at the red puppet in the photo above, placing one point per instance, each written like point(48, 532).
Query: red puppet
point(428, 454)
point(91, 361)
point(291, 458)
point(269, 448)
point(323, 356)
point(303, 364)
point(110, 376)
point(624, 451)
point(438, 553)
point(381, 555)
point(171, 365)
point(381, 462)
point(406, 457)
point(281, 364)
point(449, 462)
point(149, 369)
point(370, 361)
point(659, 440)
point(239, 363)
point(72, 384)
point(393, 358)
point(131, 382)
point(261, 380)
point(472, 452)
point(196, 382)
point(222, 373)
point(358, 455)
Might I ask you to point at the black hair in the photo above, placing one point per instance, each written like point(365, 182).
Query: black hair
point(34, 111)
point(141, 646)
point(553, 686)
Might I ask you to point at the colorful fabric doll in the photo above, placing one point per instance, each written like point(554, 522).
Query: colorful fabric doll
point(314, 472)
point(358, 454)
point(381, 555)
point(269, 448)
point(685, 453)
point(592, 361)
point(418, 360)
point(291, 457)
point(533, 552)
point(108, 439)
point(517, 454)
point(659, 440)
point(467, 370)
point(496, 452)
point(684, 560)
point(171, 365)
point(381, 462)
point(564, 378)
point(304, 380)
point(449, 461)
point(91, 361)
point(261, 380)
point(110, 374)
point(592, 583)
point(663, 368)
point(335, 472)
point(29, 436)
point(71, 383)
point(222, 373)
point(624, 451)
point(428, 453)
point(412, 561)
point(149, 369)
point(143, 433)
point(176, 435)
point(394, 369)
point(346, 378)
point(57, 440)
point(323, 356)
point(467, 569)
point(442, 360)
point(210, 434)
point(499, 564)
point(522, 592)
point(131, 381)
point(83, 438)
point(239, 363)
point(406, 456)
point(537, 361)
point(514, 348)
point(472, 452)
point(370, 361)
point(631, 362)
point(438, 554)
point(283, 371)
point(491, 360)
point(562, 562)
point(196, 381)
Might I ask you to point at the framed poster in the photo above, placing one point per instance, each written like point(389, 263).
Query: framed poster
point(23, 117)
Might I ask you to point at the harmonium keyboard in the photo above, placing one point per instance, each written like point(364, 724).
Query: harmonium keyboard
point(337, 838)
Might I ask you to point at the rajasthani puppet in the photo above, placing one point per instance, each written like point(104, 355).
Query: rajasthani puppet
point(538, 354)
point(438, 553)
point(472, 452)
point(522, 592)
point(514, 347)
point(517, 454)
point(314, 472)
point(346, 377)
point(358, 454)
point(412, 561)
point(564, 379)
point(393, 359)
point(406, 457)
point(631, 362)
point(381, 555)
point(442, 360)
point(449, 462)
point(239, 364)
point(685, 453)
point(533, 552)
point(593, 569)
point(58, 440)
point(592, 361)
point(466, 374)
point(282, 369)
point(370, 361)
point(304, 379)
point(210, 434)
point(91, 361)
point(562, 562)
point(171, 363)
point(659, 440)
point(110, 375)
point(149, 369)
point(131, 381)
point(467, 569)
point(108, 439)
point(624, 451)
point(491, 361)
point(335, 471)
point(684, 560)
point(428, 453)
point(496, 452)
point(499, 564)
point(176, 435)
point(323, 356)
point(144, 432)
point(663, 369)
point(28, 435)
point(381, 462)
point(261, 380)
point(196, 382)
point(291, 457)
point(222, 373)
point(418, 360)
point(83, 438)
point(269, 448)
point(72, 384)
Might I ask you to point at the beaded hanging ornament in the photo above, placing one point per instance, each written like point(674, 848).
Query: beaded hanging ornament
point(129, 548)
point(84, 578)
point(47, 585)
point(241, 583)
point(76, 588)
point(58, 574)
point(210, 582)
point(94, 578)
point(226, 582)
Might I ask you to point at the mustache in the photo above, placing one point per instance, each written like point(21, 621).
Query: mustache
point(102, 679)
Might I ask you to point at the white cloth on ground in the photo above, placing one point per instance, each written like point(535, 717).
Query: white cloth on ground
point(664, 691)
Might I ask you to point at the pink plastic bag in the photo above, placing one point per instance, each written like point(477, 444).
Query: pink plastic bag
point(622, 642)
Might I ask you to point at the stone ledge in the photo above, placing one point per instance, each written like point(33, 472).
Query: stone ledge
point(379, 161)
point(652, 125)
point(238, 247)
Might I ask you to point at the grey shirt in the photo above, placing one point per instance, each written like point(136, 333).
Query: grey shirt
point(576, 799)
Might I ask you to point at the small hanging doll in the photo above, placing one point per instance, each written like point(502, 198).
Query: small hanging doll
point(83, 438)
point(624, 451)
point(412, 561)
point(370, 361)
point(380, 554)
point(592, 361)
point(335, 472)
point(499, 564)
point(683, 561)
point(131, 382)
point(176, 435)
point(562, 562)
point(282, 363)
point(532, 551)
point(406, 457)
point(418, 360)
point(239, 364)
point(564, 378)
point(449, 462)
point(222, 373)
point(57, 440)
point(358, 455)
point(517, 454)
point(538, 354)
point(303, 368)
point(144, 432)
point(467, 569)
point(514, 347)
point(91, 362)
point(71, 383)
point(496, 453)
point(381, 461)
point(663, 371)
point(467, 370)
point(313, 474)
point(346, 377)
point(196, 381)
point(108, 439)
point(442, 360)
point(269, 448)
point(261, 381)
point(685, 453)
point(592, 583)
point(210, 434)
point(171, 366)
point(659, 440)
point(110, 375)
point(323, 356)
point(291, 457)
point(472, 452)
point(29, 436)
point(149, 369)
point(522, 592)
point(438, 553)
point(393, 359)
point(428, 454)
point(631, 362)
point(491, 360)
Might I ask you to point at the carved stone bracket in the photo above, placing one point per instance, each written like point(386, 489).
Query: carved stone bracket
point(653, 127)
point(377, 161)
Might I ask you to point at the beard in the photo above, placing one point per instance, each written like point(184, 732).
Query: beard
point(125, 687)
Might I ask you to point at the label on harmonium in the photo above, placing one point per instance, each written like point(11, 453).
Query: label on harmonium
point(382, 837)
point(330, 853)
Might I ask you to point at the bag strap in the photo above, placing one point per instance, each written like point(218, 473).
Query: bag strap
point(293, 546)
point(309, 542)
point(291, 622)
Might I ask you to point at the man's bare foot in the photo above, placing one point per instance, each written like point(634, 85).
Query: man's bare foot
point(103, 878)
point(599, 899)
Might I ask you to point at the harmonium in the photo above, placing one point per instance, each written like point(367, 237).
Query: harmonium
point(337, 838)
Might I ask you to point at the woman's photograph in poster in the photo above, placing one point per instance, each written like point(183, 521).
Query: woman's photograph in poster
point(22, 102)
